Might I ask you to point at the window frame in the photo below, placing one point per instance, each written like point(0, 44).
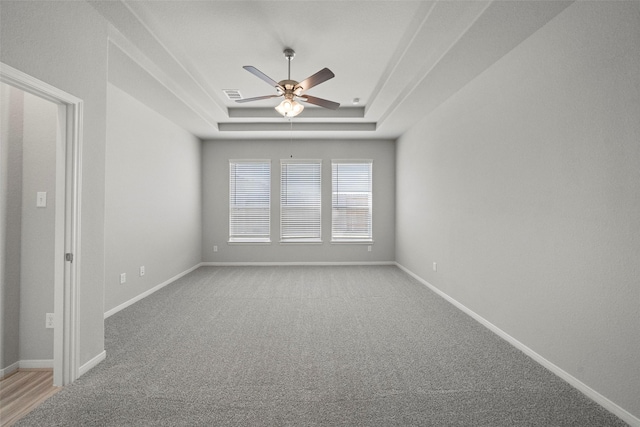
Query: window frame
point(335, 192)
point(285, 237)
point(258, 238)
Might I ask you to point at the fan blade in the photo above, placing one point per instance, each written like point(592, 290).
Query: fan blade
point(253, 70)
point(319, 77)
point(319, 101)
point(257, 98)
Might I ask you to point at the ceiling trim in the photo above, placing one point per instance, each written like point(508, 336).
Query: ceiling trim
point(131, 35)
point(405, 44)
point(126, 47)
point(309, 113)
point(437, 48)
point(428, 67)
point(287, 126)
point(182, 62)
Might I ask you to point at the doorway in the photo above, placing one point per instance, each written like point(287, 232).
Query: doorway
point(57, 207)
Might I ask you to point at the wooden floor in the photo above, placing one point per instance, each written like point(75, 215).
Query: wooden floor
point(22, 392)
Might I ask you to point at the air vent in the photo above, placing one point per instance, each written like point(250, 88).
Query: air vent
point(232, 94)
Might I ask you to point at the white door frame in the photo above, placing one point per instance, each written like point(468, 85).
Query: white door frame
point(67, 222)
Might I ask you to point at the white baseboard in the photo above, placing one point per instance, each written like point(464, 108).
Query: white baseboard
point(48, 364)
point(5, 372)
point(92, 363)
point(606, 403)
point(148, 292)
point(26, 364)
point(36, 364)
point(277, 263)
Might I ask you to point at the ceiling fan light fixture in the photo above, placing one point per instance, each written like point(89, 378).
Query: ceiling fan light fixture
point(291, 89)
point(289, 108)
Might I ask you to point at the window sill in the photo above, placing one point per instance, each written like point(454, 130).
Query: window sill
point(249, 242)
point(351, 242)
point(300, 242)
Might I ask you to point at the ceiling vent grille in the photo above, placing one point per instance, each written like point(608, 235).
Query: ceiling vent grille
point(232, 94)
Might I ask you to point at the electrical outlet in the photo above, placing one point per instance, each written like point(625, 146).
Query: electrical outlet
point(215, 248)
point(435, 266)
point(369, 248)
point(49, 322)
point(123, 278)
point(141, 270)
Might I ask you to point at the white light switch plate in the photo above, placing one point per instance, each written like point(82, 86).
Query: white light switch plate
point(41, 199)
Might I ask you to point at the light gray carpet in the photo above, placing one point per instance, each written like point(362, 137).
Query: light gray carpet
point(310, 346)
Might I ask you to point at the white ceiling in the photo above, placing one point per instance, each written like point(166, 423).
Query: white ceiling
point(401, 58)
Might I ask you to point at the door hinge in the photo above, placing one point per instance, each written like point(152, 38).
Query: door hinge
point(68, 257)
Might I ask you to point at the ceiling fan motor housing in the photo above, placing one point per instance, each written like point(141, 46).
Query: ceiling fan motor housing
point(290, 88)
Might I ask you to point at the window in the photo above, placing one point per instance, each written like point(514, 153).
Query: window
point(300, 185)
point(351, 203)
point(249, 201)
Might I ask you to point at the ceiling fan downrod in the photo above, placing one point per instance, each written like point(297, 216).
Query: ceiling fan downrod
point(289, 54)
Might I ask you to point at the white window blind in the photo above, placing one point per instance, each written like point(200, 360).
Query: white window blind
point(300, 188)
point(249, 201)
point(351, 201)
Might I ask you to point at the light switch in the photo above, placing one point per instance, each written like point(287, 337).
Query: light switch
point(41, 199)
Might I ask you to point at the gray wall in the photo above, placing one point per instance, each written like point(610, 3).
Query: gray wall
point(215, 172)
point(38, 227)
point(525, 188)
point(11, 126)
point(153, 199)
point(65, 45)
point(29, 138)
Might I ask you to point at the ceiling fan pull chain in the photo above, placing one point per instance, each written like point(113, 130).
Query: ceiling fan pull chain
point(291, 137)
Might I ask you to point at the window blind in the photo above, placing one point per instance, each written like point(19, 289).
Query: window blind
point(249, 200)
point(300, 188)
point(351, 201)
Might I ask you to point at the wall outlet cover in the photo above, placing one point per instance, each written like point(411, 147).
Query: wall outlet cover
point(49, 322)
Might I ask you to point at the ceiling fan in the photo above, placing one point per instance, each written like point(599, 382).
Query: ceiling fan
point(292, 90)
